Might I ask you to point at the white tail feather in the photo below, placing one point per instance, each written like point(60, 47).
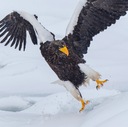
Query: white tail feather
point(59, 82)
point(70, 87)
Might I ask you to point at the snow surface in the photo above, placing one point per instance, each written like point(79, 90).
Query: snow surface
point(27, 97)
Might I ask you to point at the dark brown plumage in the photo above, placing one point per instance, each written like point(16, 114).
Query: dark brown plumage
point(95, 17)
point(59, 61)
point(65, 56)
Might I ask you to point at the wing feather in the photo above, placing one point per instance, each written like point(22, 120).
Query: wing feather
point(14, 27)
point(24, 38)
point(14, 36)
point(9, 35)
point(95, 16)
point(13, 30)
point(2, 27)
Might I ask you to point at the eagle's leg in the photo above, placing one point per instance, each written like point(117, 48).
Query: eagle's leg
point(83, 104)
point(76, 94)
point(100, 83)
point(93, 75)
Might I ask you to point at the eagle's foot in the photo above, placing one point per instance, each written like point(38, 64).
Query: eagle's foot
point(100, 83)
point(83, 104)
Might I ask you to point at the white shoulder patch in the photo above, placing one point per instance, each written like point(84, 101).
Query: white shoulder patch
point(44, 34)
point(75, 16)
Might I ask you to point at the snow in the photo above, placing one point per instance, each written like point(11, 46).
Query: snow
point(29, 99)
point(14, 104)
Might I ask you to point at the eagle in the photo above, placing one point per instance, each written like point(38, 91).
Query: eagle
point(66, 56)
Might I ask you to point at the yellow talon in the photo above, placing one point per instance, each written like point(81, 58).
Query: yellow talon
point(100, 83)
point(83, 104)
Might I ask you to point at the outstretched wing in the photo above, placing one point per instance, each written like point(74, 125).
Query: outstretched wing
point(13, 30)
point(90, 18)
point(14, 27)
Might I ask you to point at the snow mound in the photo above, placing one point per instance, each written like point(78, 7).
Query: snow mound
point(14, 104)
point(112, 112)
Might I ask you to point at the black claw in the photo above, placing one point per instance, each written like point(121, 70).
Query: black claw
point(97, 87)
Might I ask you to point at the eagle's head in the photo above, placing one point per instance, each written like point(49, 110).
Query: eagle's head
point(58, 47)
point(54, 50)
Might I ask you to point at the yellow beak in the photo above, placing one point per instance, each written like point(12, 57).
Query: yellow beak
point(64, 50)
